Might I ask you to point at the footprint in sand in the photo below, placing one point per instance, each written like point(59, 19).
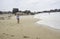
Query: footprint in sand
point(25, 36)
point(5, 34)
point(12, 35)
point(8, 34)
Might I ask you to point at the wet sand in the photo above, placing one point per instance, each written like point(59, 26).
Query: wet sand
point(26, 29)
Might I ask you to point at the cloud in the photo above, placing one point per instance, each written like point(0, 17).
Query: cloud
point(33, 5)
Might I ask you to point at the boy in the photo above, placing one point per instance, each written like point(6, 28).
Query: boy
point(17, 17)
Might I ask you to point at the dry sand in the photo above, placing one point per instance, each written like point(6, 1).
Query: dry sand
point(26, 29)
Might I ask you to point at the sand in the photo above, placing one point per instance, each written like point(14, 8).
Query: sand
point(26, 29)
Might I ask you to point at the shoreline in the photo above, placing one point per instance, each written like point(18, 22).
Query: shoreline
point(51, 28)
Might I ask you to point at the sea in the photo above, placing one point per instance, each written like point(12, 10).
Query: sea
point(50, 19)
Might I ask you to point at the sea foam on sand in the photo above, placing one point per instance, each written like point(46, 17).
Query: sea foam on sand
point(52, 19)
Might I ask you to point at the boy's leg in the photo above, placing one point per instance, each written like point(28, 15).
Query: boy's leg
point(18, 20)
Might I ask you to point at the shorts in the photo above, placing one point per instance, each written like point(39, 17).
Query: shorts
point(17, 18)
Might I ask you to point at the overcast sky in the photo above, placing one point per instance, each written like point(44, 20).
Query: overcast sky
point(33, 5)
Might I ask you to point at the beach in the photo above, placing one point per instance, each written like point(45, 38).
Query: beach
point(26, 29)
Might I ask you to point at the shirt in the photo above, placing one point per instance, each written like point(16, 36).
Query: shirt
point(17, 17)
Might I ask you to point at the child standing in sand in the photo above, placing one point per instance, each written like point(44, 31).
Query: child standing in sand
point(17, 17)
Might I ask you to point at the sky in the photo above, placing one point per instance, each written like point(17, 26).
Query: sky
point(32, 5)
